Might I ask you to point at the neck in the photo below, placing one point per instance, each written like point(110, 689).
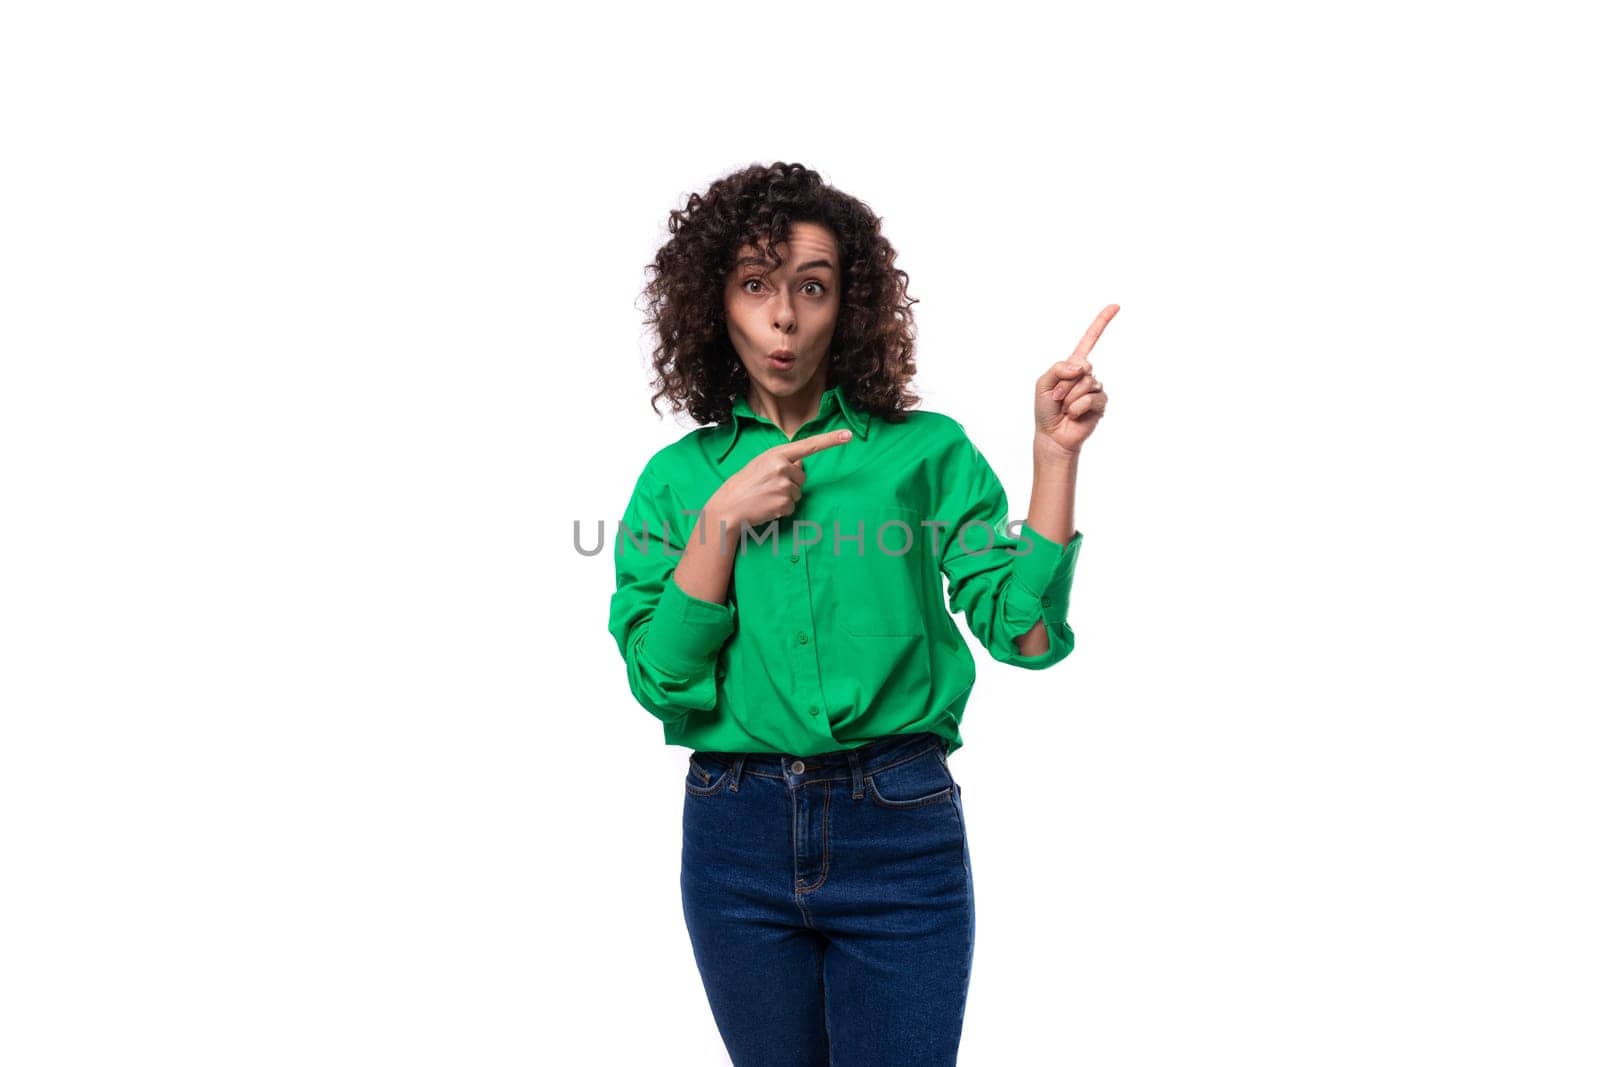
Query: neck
point(789, 413)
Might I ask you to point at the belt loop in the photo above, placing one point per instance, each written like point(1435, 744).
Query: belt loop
point(855, 774)
point(738, 765)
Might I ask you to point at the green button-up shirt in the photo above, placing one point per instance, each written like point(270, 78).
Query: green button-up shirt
point(835, 632)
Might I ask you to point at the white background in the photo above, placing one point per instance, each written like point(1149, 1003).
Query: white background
point(321, 326)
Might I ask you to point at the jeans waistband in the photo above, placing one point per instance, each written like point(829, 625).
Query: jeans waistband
point(849, 762)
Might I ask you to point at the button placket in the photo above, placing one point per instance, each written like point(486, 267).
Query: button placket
point(807, 670)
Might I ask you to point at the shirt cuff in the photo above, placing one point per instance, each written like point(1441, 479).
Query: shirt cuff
point(685, 631)
point(1046, 571)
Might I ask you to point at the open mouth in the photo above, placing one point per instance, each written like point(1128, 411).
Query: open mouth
point(782, 362)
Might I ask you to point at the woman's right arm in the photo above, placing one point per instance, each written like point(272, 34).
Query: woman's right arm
point(669, 613)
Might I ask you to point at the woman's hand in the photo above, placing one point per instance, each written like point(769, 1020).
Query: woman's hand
point(769, 485)
point(1068, 399)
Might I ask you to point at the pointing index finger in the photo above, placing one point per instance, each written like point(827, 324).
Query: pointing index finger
point(807, 446)
point(1095, 329)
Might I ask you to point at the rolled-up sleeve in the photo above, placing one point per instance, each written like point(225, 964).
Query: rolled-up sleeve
point(669, 639)
point(1004, 584)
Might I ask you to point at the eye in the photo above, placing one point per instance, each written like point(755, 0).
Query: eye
point(747, 281)
point(821, 289)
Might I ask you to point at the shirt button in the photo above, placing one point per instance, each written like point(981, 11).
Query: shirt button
point(1045, 601)
point(803, 637)
point(794, 558)
point(797, 767)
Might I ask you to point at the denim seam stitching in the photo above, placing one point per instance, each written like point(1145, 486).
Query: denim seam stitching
point(827, 795)
point(920, 802)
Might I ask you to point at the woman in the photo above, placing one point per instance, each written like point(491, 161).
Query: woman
point(779, 607)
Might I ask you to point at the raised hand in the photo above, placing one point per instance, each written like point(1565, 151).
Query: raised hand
point(1068, 399)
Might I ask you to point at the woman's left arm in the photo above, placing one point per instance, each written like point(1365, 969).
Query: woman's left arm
point(1068, 403)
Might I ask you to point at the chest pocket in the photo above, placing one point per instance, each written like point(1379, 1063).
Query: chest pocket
point(878, 592)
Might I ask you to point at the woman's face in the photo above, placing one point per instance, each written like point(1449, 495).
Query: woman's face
point(794, 307)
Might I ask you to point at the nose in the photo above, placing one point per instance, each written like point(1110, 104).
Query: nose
point(783, 314)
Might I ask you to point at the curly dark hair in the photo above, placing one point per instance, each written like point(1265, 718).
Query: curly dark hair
point(873, 350)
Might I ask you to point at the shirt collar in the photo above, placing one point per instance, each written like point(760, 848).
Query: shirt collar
point(832, 398)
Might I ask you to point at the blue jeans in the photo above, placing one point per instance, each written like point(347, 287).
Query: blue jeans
point(829, 903)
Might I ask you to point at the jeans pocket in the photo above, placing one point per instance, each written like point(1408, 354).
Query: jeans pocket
point(912, 783)
point(706, 776)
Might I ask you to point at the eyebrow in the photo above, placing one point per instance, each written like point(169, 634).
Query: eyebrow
point(757, 261)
